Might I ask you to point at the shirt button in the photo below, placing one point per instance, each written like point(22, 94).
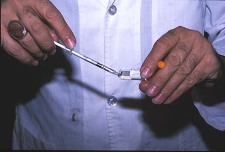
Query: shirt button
point(112, 101)
point(112, 10)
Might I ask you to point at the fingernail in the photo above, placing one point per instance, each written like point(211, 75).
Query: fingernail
point(35, 63)
point(145, 73)
point(152, 91)
point(143, 85)
point(70, 43)
point(158, 99)
point(54, 36)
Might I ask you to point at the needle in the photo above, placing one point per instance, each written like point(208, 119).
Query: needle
point(104, 67)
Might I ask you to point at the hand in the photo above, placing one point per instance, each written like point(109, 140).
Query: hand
point(189, 58)
point(44, 24)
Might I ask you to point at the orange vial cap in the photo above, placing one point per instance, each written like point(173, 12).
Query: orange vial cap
point(161, 64)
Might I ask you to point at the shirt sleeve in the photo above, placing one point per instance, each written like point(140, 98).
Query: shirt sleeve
point(215, 24)
point(212, 108)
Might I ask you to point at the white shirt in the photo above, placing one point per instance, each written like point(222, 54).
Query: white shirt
point(73, 109)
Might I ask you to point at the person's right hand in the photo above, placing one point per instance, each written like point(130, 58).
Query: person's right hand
point(44, 24)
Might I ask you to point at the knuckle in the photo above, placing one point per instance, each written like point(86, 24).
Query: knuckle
point(178, 28)
point(166, 40)
point(172, 35)
point(52, 13)
point(162, 43)
point(194, 78)
point(183, 70)
point(28, 12)
point(196, 36)
point(47, 9)
point(172, 32)
point(188, 65)
point(183, 49)
point(176, 57)
point(27, 41)
point(196, 33)
point(173, 60)
point(36, 26)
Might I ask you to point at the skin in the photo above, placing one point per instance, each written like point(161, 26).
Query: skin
point(44, 24)
point(185, 52)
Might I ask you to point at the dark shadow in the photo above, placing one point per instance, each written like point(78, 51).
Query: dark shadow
point(20, 83)
point(166, 120)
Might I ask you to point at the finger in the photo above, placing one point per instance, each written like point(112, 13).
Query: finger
point(199, 74)
point(173, 61)
point(54, 18)
point(55, 38)
point(38, 30)
point(11, 46)
point(160, 49)
point(181, 73)
point(186, 68)
point(31, 47)
point(14, 49)
point(143, 85)
point(53, 34)
point(196, 76)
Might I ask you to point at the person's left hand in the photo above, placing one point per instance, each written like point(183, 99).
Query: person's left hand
point(189, 58)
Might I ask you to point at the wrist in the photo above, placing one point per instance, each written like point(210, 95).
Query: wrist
point(220, 81)
point(212, 91)
point(222, 63)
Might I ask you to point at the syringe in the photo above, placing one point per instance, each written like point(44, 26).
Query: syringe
point(122, 74)
point(110, 70)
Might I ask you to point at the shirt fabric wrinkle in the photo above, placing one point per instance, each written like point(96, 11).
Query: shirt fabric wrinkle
point(120, 43)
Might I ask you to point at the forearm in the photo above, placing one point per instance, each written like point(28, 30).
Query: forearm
point(220, 81)
point(209, 97)
point(212, 92)
point(210, 101)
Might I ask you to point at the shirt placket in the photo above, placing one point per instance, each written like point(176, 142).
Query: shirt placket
point(113, 23)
